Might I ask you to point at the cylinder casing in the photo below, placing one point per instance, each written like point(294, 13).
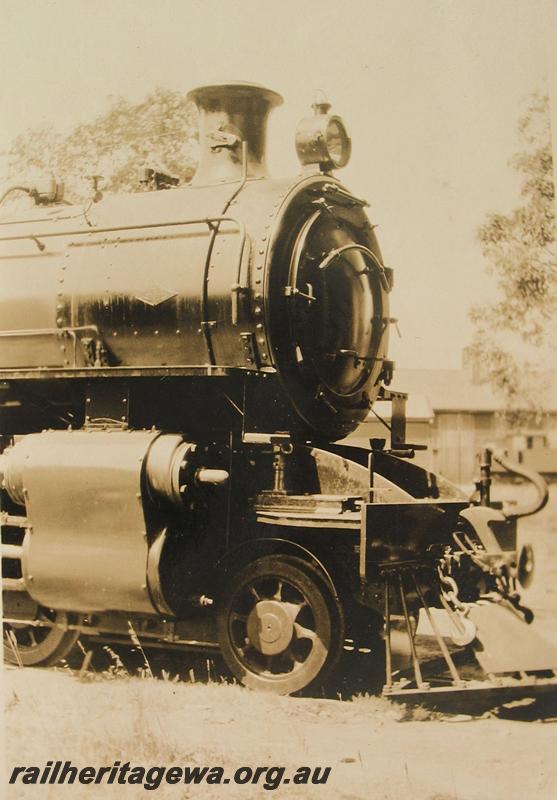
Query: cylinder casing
point(91, 500)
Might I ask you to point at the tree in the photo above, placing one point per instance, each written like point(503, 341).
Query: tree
point(515, 335)
point(159, 132)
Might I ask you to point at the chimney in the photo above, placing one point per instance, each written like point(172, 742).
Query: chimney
point(229, 114)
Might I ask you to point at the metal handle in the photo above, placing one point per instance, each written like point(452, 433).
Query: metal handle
point(367, 252)
point(518, 469)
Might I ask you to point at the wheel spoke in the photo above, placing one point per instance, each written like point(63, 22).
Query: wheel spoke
point(304, 633)
point(297, 663)
point(255, 593)
point(278, 594)
point(283, 663)
point(290, 656)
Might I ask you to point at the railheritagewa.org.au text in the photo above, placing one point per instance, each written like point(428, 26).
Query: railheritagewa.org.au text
point(151, 777)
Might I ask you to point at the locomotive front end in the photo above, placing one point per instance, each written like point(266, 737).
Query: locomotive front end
point(177, 366)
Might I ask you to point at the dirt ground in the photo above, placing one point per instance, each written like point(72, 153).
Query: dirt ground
point(376, 750)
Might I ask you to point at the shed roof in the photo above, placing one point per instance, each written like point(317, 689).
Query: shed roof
point(455, 390)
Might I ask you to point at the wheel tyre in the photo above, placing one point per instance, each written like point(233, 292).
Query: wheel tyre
point(51, 648)
point(280, 626)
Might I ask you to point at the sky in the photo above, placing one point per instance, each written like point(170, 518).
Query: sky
point(431, 92)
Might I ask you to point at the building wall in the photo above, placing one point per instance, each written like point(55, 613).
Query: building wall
point(455, 438)
point(458, 437)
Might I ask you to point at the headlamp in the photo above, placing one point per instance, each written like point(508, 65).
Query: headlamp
point(323, 139)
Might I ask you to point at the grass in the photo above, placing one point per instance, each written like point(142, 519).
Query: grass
point(98, 716)
point(113, 716)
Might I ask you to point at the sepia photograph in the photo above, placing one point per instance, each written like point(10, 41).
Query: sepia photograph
point(278, 399)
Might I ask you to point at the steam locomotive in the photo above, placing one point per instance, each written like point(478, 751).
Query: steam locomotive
point(178, 369)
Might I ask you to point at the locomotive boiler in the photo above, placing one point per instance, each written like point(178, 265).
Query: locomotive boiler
point(178, 368)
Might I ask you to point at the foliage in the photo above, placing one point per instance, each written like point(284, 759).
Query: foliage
point(159, 132)
point(513, 335)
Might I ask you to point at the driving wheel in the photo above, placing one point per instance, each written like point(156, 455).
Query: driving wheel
point(280, 625)
point(44, 641)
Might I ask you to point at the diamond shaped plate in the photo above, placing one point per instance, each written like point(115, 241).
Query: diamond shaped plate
point(155, 295)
